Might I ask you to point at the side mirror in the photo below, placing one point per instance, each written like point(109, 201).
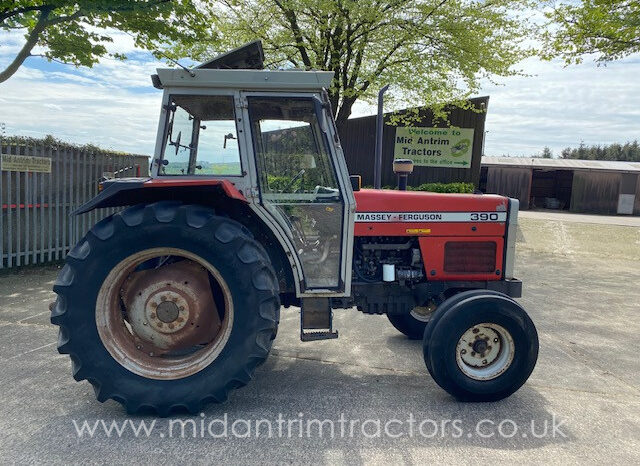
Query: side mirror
point(177, 143)
point(227, 136)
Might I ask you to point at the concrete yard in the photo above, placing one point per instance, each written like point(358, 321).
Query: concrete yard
point(581, 287)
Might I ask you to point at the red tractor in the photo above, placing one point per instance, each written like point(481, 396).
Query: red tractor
point(174, 300)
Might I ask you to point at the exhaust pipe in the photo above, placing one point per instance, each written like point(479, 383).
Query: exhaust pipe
point(377, 167)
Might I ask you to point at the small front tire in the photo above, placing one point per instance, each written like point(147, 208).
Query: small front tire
point(483, 348)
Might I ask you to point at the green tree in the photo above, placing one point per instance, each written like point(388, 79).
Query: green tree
point(608, 28)
point(430, 51)
point(546, 153)
point(76, 32)
point(628, 152)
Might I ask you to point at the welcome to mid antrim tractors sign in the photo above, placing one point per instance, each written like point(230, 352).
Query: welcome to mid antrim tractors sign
point(434, 147)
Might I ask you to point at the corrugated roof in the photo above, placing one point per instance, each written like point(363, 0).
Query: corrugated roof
point(560, 164)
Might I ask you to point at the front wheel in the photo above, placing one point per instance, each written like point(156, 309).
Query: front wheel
point(482, 348)
point(414, 323)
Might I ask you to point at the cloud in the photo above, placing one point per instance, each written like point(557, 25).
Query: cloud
point(564, 106)
point(112, 105)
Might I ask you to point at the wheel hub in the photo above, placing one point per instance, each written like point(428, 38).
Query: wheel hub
point(167, 311)
point(485, 351)
point(171, 308)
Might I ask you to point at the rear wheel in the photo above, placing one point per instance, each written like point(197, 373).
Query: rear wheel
point(166, 307)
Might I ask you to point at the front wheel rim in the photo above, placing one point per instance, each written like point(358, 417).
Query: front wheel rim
point(485, 351)
point(424, 313)
point(164, 315)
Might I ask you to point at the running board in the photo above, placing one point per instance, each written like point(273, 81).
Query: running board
point(316, 320)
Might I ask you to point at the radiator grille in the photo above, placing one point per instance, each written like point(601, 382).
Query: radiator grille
point(469, 256)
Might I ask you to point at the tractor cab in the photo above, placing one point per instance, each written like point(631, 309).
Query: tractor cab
point(271, 135)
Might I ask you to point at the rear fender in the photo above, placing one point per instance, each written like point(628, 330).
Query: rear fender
point(220, 195)
point(130, 191)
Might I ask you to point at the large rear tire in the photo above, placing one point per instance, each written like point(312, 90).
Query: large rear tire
point(109, 338)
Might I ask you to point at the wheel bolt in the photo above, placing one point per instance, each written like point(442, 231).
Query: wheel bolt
point(464, 351)
point(484, 361)
point(495, 340)
point(475, 330)
point(163, 298)
point(153, 304)
point(473, 353)
point(471, 345)
point(170, 325)
point(153, 315)
point(179, 319)
point(181, 308)
point(482, 355)
point(488, 348)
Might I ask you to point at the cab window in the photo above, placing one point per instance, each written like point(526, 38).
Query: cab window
point(201, 137)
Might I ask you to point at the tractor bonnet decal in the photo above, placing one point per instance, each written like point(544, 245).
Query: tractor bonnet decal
point(431, 217)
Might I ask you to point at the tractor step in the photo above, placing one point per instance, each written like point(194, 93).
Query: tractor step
point(315, 336)
point(316, 320)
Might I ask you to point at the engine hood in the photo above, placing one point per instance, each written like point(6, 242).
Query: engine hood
point(385, 200)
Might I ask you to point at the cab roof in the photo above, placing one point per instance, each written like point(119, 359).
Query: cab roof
point(246, 79)
point(242, 68)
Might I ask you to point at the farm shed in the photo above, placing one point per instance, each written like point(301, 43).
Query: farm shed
point(589, 186)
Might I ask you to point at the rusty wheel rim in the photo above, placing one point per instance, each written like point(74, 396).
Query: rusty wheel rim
point(165, 322)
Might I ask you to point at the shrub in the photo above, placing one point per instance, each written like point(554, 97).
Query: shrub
point(457, 187)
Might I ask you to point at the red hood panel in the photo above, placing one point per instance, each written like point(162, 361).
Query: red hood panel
point(385, 200)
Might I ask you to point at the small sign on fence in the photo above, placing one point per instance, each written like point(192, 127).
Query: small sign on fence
point(25, 163)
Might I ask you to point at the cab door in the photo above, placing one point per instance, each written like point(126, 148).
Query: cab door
point(304, 187)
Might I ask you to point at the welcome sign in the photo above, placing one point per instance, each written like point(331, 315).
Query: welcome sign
point(434, 147)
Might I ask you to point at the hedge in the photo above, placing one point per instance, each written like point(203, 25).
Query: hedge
point(457, 187)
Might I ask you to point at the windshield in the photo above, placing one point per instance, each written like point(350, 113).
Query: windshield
point(201, 137)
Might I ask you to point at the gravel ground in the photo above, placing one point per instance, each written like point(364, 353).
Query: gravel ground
point(581, 289)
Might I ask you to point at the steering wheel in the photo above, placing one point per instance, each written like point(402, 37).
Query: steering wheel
point(292, 182)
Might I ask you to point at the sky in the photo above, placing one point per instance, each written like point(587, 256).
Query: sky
point(114, 106)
